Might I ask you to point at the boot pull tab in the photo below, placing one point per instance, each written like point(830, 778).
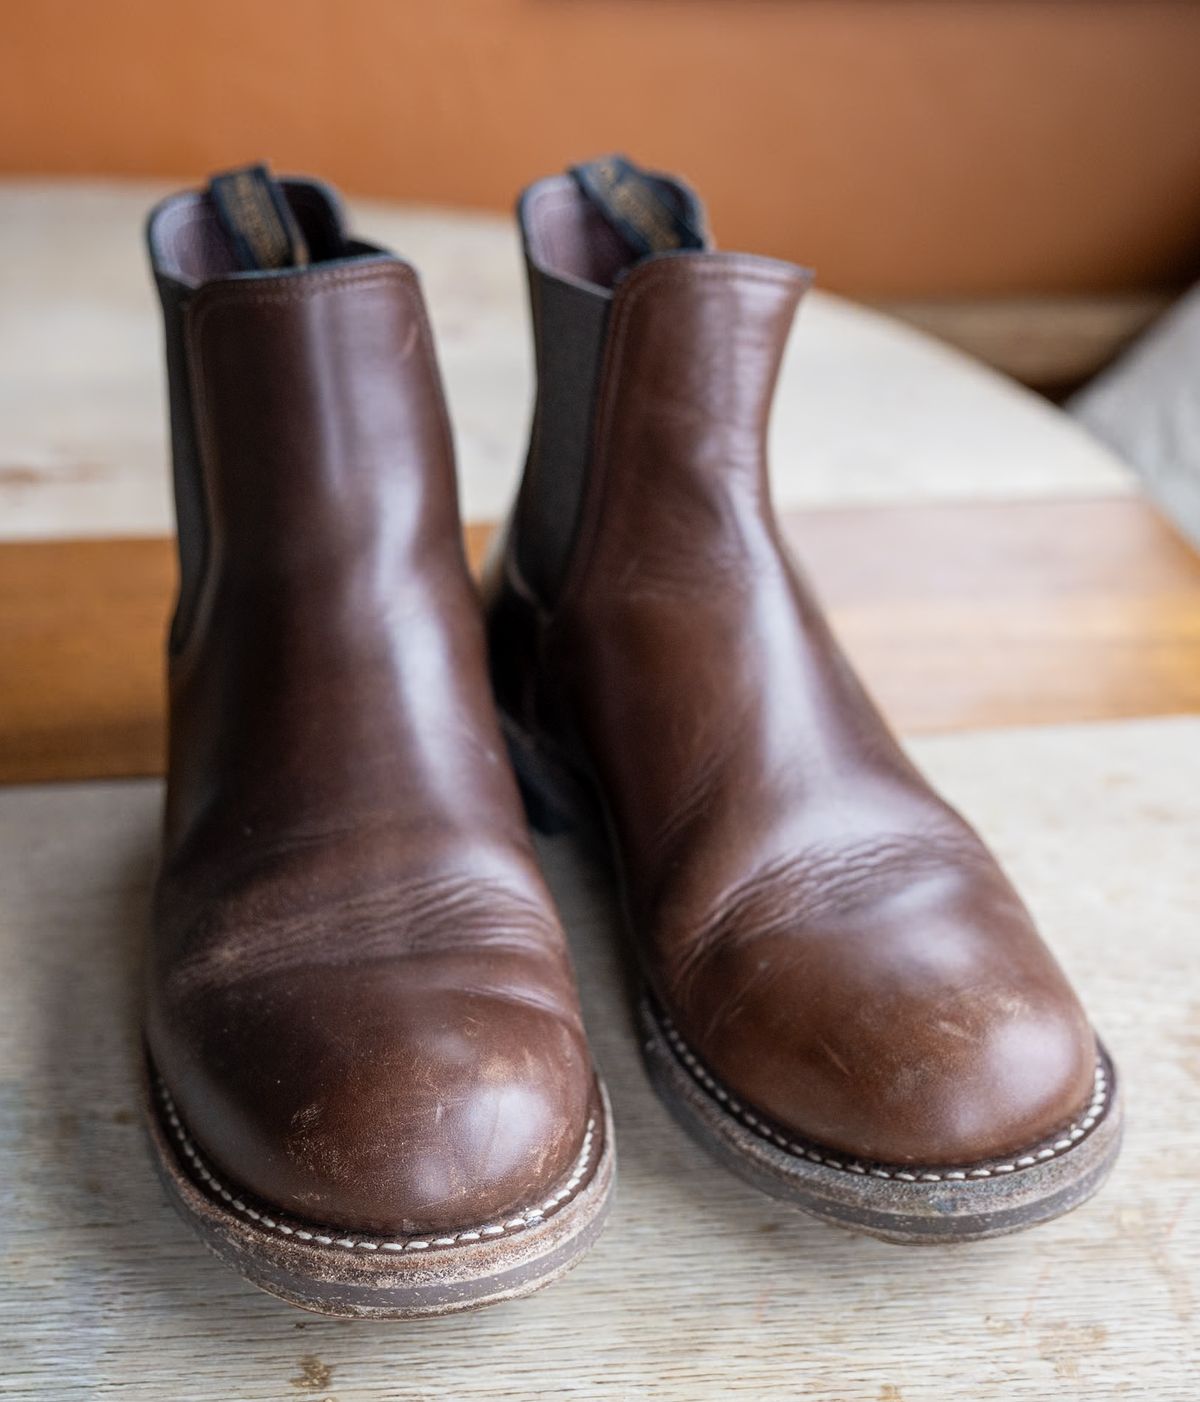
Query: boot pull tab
point(652, 215)
point(254, 212)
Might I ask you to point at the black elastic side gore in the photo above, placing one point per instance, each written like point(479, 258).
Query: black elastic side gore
point(650, 214)
point(254, 212)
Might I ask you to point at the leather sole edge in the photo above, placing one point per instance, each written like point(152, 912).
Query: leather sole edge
point(946, 1211)
point(378, 1284)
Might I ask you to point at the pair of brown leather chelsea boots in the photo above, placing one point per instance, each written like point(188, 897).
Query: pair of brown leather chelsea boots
point(370, 1086)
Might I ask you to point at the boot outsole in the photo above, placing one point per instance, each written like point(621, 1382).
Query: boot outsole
point(904, 1204)
point(330, 1271)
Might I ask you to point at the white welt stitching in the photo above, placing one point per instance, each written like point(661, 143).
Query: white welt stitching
point(327, 1236)
point(1066, 1140)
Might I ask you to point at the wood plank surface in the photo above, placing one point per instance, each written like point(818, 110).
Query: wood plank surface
point(958, 616)
point(700, 1288)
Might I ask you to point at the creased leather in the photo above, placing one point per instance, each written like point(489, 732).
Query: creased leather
point(359, 993)
point(831, 939)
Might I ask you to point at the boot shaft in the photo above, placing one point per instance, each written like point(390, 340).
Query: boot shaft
point(657, 360)
point(309, 430)
point(326, 622)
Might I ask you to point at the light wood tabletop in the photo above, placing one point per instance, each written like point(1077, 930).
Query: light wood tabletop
point(700, 1288)
point(1030, 626)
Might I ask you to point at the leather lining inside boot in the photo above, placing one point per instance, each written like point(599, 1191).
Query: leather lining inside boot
point(190, 244)
point(574, 232)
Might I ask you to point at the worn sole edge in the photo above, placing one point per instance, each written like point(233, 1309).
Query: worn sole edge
point(910, 1213)
point(353, 1284)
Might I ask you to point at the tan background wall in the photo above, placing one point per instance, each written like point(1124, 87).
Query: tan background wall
point(904, 147)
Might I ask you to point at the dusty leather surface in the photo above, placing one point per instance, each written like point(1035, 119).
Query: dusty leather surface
point(831, 938)
point(359, 993)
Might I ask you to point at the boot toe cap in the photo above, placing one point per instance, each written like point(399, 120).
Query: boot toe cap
point(948, 1040)
point(381, 1102)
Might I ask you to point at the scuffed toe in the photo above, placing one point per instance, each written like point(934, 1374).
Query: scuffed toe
point(935, 1029)
point(406, 1105)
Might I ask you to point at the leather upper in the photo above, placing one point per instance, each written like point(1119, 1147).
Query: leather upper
point(359, 993)
point(831, 939)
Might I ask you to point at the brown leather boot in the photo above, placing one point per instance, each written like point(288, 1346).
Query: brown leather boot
point(371, 1090)
point(845, 999)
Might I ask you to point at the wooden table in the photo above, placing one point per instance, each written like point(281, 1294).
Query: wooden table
point(961, 617)
point(1041, 656)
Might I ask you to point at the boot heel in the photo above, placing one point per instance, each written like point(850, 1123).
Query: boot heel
point(550, 792)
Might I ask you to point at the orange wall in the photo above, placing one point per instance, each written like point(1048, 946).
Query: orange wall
point(904, 147)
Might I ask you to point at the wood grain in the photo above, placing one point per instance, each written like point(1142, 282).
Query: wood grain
point(958, 617)
point(699, 1289)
